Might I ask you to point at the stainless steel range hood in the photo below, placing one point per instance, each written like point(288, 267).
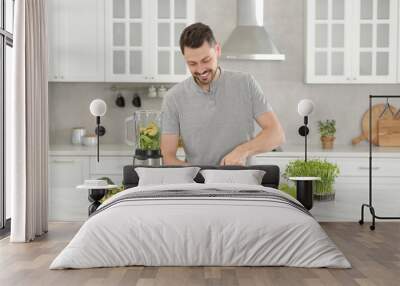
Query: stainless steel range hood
point(249, 40)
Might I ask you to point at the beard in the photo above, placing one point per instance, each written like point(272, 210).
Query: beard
point(205, 77)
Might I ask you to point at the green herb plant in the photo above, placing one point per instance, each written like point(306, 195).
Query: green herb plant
point(327, 127)
point(327, 171)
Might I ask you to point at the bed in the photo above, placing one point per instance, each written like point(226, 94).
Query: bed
point(201, 224)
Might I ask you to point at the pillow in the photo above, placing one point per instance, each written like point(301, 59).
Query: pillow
point(249, 177)
point(162, 176)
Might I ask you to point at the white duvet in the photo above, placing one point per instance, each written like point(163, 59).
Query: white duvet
point(200, 231)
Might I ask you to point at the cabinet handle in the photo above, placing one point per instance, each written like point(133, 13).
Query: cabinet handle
point(62, 77)
point(354, 78)
point(55, 77)
point(63, 161)
point(347, 78)
point(367, 168)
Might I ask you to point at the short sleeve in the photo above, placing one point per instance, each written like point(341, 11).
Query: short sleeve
point(259, 101)
point(170, 116)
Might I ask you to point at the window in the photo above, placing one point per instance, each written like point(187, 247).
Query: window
point(6, 65)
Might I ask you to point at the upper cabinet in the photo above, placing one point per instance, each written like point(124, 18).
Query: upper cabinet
point(352, 41)
point(329, 42)
point(117, 40)
point(76, 40)
point(142, 40)
point(376, 35)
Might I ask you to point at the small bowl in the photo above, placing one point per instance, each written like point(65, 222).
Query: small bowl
point(89, 140)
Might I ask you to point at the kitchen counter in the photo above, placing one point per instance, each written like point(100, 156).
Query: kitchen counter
point(287, 151)
point(105, 150)
point(361, 150)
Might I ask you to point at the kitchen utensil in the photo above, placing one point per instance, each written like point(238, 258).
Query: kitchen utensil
point(77, 134)
point(386, 108)
point(145, 122)
point(120, 101)
point(377, 111)
point(136, 101)
point(147, 136)
point(152, 92)
point(161, 91)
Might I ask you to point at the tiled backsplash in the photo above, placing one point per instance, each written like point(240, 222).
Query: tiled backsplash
point(69, 107)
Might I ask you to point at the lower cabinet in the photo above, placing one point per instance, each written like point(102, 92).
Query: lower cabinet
point(281, 162)
point(66, 202)
point(352, 187)
point(111, 167)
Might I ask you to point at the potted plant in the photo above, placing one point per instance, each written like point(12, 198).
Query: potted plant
point(323, 190)
point(327, 130)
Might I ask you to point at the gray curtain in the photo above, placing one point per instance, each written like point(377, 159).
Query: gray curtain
point(27, 127)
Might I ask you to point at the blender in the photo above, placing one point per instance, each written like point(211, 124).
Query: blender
point(147, 133)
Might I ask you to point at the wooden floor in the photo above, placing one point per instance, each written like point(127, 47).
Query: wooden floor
point(375, 257)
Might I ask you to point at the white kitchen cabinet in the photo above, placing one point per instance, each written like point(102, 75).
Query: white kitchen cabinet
point(398, 45)
point(329, 43)
point(142, 40)
point(352, 185)
point(352, 41)
point(66, 172)
point(66, 203)
point(70, 166)
point(281, 162)
point(76, 40)
point(110, 166)
point(376, 33)
point(52, 28)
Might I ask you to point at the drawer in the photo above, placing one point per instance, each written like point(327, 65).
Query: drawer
point(359, 167)
point(349, 167)
point(109, 165)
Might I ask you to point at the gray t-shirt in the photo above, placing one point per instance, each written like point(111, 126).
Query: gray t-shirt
point(213, 123)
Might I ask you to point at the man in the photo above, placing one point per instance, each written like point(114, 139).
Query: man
point(214, 111)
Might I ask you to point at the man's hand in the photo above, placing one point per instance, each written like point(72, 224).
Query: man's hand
point(270, 137)
point(236, 157)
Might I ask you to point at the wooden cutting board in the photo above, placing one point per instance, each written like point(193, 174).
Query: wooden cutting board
point(389, 132)
point(376, 111)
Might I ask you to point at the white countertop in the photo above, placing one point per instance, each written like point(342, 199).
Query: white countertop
point(105, 150)
point(357, 151)
point(287, 151)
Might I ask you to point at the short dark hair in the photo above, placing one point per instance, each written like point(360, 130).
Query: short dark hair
point(193, 36)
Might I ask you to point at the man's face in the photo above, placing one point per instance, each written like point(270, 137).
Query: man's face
point(203, 61)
